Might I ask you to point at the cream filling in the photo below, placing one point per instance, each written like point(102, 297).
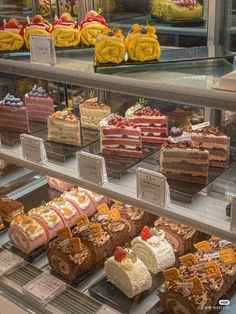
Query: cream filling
point(180, 159)
point(183, 171)
point(48, 216)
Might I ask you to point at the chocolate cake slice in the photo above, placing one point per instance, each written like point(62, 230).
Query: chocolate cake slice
point(10, 209)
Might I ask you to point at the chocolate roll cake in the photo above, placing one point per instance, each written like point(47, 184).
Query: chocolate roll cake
point(69, 260)
point(181, 237)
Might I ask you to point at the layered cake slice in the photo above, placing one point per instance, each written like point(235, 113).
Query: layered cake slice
point(10, 209)
point(65, 210)
point(92, 111)
point(13, 115)
point(69, 258)
point(26, 234)
point(127, 272)
point(213, 140)
point(64, 127)
point(81, 201)
point(39, 104)
point(48, 219)
point(120, 137)
point(180, 236)
point(153, 249)
point(185, 162)
point(153, 124)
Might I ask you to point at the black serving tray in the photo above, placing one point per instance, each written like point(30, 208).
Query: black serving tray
point(107, 293)
point(170, 55)
point(117, 166)
point(31, 257)
point(75, 283)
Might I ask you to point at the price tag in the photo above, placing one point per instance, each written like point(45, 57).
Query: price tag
point(91, 168)
point(44, 288)
point(9, 261)
point(233, 215)
point(33, 149)
point(42, 49)
point(152, 187)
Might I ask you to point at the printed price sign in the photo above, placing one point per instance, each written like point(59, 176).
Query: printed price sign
point(152, 187)
point(233, 215)
point(106, 310)
point(33, 149)
point(9, 261)
point(42, 49)
point(44, 288)
point(91, 168)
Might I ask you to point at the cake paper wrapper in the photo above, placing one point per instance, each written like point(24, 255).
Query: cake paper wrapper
point(66, 37)
point(11, 41)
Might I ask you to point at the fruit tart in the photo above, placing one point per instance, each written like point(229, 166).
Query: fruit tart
point(37, 26)
point(65, 31)
point(110, 47)
point(142, 44)
point(11, 35)
point(92, 26)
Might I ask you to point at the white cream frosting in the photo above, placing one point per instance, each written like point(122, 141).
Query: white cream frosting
point(132, 281)
point(66, 208)
point(156, 253)
point(48, 215)
point(30, 227)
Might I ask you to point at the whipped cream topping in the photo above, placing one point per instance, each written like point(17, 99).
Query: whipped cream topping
point(29, 226)
point(133, 109)
point(47, 215)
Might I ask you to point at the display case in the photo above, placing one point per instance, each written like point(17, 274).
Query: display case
point(188, 197)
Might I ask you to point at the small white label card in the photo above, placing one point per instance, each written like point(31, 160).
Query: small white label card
point(152, 187)
point(9, 261)
point(233, 215)
point(44, 288)
point(91, 168)
point(200, 125)
point(42, 49)
point(33, 149)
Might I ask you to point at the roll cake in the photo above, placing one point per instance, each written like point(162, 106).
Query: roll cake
point(184, 161)
point(67, 212)
point(14, 115)
point(153, 249)
point(10, 209)
point(64, 127)
point(127, 272)
point(120, 137)
point(26, 234)
point(81, 201)
point(153, 124)
point(69, 258)
point(11, 35)
point(39, 104)
point(96, 198)
point(59, 185)
point(180, 236)
point(48, 219)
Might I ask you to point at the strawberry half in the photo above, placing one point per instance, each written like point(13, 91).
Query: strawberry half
point(120, 254)
point(146, 233)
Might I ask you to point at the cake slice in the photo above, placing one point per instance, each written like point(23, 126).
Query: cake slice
point(13, 115)
point(152, 122)
point(64, 127)
point(180, 236)
point(26, 234)
point(10, 209)
point(185, 162)
point(39, 104)
point(153, 249)
point(92, 111)
point(120, 137)
point(81, 201)
point(213, 140)
point(48, 219)
point(128, 273)
point(59, 185)
point(69, 258)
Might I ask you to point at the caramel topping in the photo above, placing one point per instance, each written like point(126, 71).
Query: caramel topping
point(183, 145)
point(65, 115)
point(185, 231)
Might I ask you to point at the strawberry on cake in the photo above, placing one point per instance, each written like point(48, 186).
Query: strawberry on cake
point(127, 272)
point(119, 136)
point(152, 122)
point(11, 35)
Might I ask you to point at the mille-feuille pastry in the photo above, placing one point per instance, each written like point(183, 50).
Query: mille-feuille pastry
point(38, 26)
point(110, 47)
point(142, 43)
point(10, 209)
point(11, 35)
point(92, 26)
point(66, 31)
